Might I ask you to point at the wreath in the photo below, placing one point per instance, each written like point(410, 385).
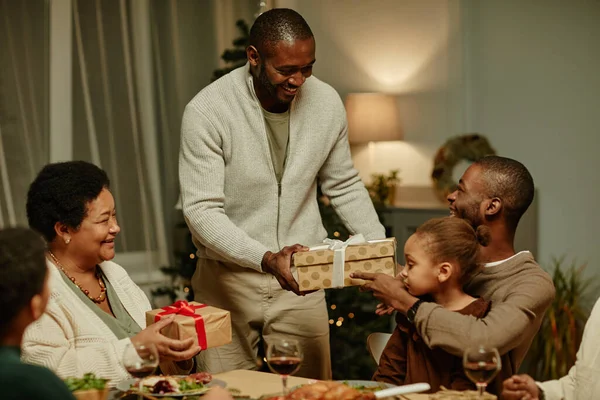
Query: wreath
point(469, 147)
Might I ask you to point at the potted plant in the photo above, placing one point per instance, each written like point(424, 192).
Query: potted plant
point(383, 188)
point(88, 388)
point(555, 346)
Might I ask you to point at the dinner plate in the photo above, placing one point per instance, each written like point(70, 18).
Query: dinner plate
point(368, 384)
point(372, 385)
point(125, 385)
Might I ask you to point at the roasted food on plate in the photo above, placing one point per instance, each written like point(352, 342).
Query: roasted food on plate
point(326, 391)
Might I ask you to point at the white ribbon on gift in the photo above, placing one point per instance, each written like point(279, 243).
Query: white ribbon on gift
point(339, 256)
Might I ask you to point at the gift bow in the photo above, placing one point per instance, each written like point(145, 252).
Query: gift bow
point(182, 307)
point(339, 256)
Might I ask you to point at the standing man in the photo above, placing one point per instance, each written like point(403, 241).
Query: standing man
point(254, 143)
point(496, 192)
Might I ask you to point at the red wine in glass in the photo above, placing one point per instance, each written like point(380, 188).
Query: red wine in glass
point(285, 365)
point(284, 357)
point(140, 360)
point(140, 372)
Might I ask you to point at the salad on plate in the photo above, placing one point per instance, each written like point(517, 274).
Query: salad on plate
point(170, 385)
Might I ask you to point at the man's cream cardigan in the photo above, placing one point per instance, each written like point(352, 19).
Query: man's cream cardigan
point(231, 198)
point(70, 339)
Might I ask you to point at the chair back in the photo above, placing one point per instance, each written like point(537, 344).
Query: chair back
point(376, 342)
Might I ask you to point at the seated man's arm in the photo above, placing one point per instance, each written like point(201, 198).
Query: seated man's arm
point(503, 327)
point(202, 181)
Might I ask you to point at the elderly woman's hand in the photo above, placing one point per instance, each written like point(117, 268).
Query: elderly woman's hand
point(169, 349)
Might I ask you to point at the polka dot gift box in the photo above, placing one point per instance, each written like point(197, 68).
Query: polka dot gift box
point(329, 266)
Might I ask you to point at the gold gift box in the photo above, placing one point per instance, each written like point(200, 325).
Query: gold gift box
point(217, 324)
point(315, 267)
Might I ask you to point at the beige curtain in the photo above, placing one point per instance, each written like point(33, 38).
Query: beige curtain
point(188, 37)
point(106, 114)
point(23, 102)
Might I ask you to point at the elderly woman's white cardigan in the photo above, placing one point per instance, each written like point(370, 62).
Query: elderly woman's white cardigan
point(71, 340)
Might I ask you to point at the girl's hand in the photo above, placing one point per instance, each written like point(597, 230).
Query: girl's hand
point(384, 309)
point(388, 289)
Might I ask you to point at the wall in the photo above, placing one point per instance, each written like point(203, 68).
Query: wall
point(536, 94)
point(408, 48)
point(525, 74)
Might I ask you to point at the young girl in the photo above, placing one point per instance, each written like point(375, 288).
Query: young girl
point(440, 258)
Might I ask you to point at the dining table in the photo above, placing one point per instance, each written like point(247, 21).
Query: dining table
point(254, 384)
point(246, 384)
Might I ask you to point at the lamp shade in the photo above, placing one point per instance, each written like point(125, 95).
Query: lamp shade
point(372, 117)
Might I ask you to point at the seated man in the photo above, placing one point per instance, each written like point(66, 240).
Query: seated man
point(495, 192)
point(23, 297)
point(580, 383)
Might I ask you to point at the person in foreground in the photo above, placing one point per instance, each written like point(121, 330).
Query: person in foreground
point(23, 297)
point(495, 192)
point(253, 146)
point(581, 383)
point(95, 309)
point(440, 258)
point(218, 393)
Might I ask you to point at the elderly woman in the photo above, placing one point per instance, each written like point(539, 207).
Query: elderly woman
point(95, 309)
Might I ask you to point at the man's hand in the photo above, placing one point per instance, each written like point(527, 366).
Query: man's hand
point(279, 265)
point(384, 309)
point(390, 290)
point(519, 387)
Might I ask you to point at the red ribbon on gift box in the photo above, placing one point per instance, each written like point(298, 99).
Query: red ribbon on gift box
point(181, 307)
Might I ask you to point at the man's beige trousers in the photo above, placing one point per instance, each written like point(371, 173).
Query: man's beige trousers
point(261, 309)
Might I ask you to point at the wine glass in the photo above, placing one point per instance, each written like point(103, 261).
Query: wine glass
point(140, 360)
point(481, 365)
point(284, 357)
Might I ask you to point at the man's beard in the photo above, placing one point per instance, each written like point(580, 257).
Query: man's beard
point(471, 215)
point(268, 86)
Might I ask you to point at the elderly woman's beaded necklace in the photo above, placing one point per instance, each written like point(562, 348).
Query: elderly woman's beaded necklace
point(98, 299)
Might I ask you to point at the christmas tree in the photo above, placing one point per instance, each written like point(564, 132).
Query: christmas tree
point(235, 57)
point(180, 274)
